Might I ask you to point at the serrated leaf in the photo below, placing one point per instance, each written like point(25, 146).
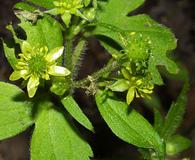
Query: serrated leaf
point(15, 111)
point(177, 144)
point(46, 32)
point(175, 115)
point(118, 7)
point(130, 126)
point(54, 138)
point(73, 108)
point(10, 55)
point(161, 38)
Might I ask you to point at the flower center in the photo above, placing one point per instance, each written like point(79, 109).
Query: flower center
point(37, 65)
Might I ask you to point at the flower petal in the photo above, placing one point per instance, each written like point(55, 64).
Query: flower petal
point(17, 75)
point(130, 95)
point(54, 54)
point(32, 86)
point(54, 11)
point(120, 85)
point(66, 17)
point(26, 47)
point(58, 71)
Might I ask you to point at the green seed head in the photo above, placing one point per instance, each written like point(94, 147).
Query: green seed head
point(137, 47)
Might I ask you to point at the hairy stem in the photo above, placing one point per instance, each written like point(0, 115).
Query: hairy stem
point(68, 54)
point(95, 76)
point(77, 57)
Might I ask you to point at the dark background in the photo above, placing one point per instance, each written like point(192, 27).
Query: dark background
point(179, 15)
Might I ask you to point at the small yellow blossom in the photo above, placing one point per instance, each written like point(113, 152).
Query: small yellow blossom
point(67, 8)
point(37, 63)
point(139, 87)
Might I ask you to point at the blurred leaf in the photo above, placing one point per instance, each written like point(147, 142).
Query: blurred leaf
point(130, 126)
point(175, 115)
point(180, 76)
point(86, 2)
point(48, 4)
point(55, 138)
point(24, 6)
point(73, 108)
point(154, 105)
point(15, 111)
point(158, 120)
point(10, 55)
point(177, 144)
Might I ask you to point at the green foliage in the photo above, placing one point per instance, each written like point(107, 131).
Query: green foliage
point(158, 120)
point(73, 108)
point(46, 32)
point(43, 3)
point(10, 55)
point(24, 6)
point(56, 34)
point(161, 38)
point(55, 138)
point(175, 115)
point(15, 111)
point(120, 8)
point(129, 125)
point(177, 144)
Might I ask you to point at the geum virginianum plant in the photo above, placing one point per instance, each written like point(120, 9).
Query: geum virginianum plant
point(47, 62)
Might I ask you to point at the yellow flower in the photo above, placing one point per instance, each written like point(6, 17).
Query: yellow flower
point(67, 8)
point(37, 63)
point(139, 87)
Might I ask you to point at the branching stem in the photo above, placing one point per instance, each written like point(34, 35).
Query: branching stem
point(95, 76)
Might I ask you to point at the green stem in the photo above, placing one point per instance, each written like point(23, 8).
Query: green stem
point(95, 76)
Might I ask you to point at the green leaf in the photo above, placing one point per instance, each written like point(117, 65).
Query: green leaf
point(130, 126)
point(48, 4)
point(87, 2)
point(73, 108)
point(177, 144)
point(24, 6)
point(175, 115)
point(15, 111)
point(10, 55)
point(46, 32)
point(54, 138)
point(158, 120)
point(118, 7)
point(154, 105)
point(161, 39)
